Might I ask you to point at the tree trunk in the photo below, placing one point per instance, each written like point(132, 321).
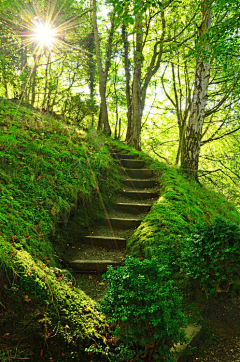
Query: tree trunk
point(190, 159)
point(46, 87)
point(102, 83)
point(137, 106)
point(91, 65)
point(127, 82)
point(34, 75)
point(181, 144)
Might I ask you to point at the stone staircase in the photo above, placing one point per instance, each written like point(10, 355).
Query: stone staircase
point(106, 242)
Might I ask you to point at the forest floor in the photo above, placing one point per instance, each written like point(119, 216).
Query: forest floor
point(221, 337)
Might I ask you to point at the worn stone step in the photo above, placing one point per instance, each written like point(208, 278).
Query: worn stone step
point(134, 164)
point(97, 266)
point(143, 173)
point(120, 156)
point(121, 223)
point(139, 184)
point(132, 208)
point(181, 352)
point(107, 242)
point(140, 195)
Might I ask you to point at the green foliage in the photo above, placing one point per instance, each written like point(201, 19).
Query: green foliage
point(48, 172)
point(144, 303)
point(212, 253)
point(172, 219)
point(46, 306)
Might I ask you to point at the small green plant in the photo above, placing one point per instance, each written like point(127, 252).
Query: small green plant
point(212, 255)
point(145, 306)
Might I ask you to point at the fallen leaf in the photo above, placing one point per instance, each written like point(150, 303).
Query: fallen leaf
point(26, 299)
point(41, 353)
point(90, 277)
point(73, 247)
point(47, 259)
point(6, 335)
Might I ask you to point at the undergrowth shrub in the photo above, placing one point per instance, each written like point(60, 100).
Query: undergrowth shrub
point(212, 255)
point(144, 304)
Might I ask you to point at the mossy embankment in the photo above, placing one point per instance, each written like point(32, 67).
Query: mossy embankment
point(182, 204)
point(48, 172)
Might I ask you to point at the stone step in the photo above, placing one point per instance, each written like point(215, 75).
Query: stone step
point(97, 266)
point(140, 195)
point(107, 242)
point(120, 156)
point(121, 223)
point(139, 184)
point(139, 174)
point(132, 208)
point(134, 164)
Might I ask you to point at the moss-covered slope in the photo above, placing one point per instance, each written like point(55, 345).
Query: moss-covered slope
point(182, 204)
point(48, 171)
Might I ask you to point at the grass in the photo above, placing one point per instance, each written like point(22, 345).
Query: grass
point(49, 171)
point(182, 203)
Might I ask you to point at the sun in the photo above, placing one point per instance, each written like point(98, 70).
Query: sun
point(44, 34)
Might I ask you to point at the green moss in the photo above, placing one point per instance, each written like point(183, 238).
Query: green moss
point(51, 173)
point(47, 293)
point(48, 172)
point(182, 203)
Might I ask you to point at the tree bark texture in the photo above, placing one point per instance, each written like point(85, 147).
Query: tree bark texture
point(127, 83)
point(190, 159)
point(136, 89)
point(102, 83)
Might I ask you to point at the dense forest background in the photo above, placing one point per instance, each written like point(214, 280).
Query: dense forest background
point(161, 75)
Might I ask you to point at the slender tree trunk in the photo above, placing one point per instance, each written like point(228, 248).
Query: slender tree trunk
point(190, 159)
point(119, 127)
point(91, 72)
point(181, 129)
point(34, 74)
point(127, 82)
point(100, 120)
point(116, 129)
point(102, 83)
point(46, 82)
point(137, 106)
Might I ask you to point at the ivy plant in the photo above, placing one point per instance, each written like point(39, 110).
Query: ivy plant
point(143, 302)
point(212, 255)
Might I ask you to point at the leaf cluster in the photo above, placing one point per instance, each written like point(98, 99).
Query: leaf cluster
point(144, 304)
point(211, 255)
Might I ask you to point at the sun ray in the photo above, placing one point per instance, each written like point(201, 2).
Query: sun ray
point(44, 34)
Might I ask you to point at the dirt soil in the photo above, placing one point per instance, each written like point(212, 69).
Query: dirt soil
point(221, 337)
